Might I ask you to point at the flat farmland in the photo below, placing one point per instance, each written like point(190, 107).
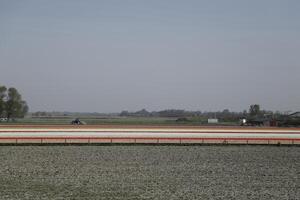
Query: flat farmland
point(149, 172)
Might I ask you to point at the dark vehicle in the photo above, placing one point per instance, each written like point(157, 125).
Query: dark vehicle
point(182, 119)
point(77, 122)
point(253, 122)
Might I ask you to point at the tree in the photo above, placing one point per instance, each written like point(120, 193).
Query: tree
point(124, 113)
point(2, 100)
point(15, 106)
point(254, 110)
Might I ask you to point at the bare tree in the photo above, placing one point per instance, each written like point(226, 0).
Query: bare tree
point(254, 110)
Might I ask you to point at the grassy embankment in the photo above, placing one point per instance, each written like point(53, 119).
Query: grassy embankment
point(114, 121)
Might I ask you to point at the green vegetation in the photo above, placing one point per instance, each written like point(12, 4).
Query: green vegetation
point(11, 103)
point(254, 110)
point(100, 120)
point(117, 121)
point(12, 106)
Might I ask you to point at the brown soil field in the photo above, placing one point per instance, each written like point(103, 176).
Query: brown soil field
point(149, 172)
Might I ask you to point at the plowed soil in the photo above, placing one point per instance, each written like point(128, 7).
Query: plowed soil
point(149, 172)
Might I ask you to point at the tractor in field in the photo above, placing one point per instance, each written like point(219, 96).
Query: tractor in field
point(253, 122)
point(78, 122)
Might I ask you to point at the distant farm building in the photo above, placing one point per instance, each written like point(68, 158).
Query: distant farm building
point(212, 121)
point(295, 114)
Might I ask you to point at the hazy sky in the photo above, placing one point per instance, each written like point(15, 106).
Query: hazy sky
point(108, 56)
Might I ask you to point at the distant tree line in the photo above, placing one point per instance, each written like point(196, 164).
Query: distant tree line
point(225, 115)
point(254, 111)
point(11, 103)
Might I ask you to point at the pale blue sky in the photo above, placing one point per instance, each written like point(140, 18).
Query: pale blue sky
point(108, 56)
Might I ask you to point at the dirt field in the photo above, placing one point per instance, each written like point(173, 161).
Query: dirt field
point(149, 172)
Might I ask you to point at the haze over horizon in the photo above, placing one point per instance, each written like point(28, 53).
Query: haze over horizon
point(109, 56)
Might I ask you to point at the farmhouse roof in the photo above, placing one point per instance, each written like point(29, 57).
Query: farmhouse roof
point(295, 114)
